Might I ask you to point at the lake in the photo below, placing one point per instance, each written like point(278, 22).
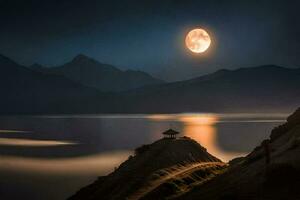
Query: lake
point(51, 157)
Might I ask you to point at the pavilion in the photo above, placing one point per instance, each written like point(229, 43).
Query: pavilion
point(170, 133)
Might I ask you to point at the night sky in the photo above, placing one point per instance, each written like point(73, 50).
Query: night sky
point(149, 35)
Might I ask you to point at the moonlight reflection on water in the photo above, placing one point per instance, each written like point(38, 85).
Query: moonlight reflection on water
point(33, 143)
point(92, 165)
point(203, 128)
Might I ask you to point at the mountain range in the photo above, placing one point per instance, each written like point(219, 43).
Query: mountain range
point(103, 77)
point(24, 90)
point(254, 89)
point(67, 89)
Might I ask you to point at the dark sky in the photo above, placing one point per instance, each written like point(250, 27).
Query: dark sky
point(149, 35)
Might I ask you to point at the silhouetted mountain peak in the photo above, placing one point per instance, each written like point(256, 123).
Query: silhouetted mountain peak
point(214, 75)
point(81, 58)
point(82, 61)
point(105, 77)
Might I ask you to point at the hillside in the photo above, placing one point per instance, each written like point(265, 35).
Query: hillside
point(104, 77)
point(252, 178)
point(152, 166)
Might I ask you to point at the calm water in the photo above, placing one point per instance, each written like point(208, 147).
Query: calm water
point(51, 157)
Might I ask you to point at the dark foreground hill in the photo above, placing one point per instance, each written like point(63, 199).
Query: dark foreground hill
point(152, 166)
point(104, 77)
point(251, 178)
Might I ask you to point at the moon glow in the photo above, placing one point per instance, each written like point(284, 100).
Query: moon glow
point(197, 40)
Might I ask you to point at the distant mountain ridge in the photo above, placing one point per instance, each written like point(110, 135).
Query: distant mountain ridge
point(24, 90)
point(255, 89)
point(104, 77)
point(267, 88)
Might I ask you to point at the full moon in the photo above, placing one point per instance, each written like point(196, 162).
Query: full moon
point(197, 40)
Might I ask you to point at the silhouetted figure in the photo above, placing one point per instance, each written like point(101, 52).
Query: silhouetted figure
point(266, 146)
point(170, 134)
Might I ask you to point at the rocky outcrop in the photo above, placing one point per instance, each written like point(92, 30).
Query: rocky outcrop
point(255, 176)
point(148, 162)
point(284, 137)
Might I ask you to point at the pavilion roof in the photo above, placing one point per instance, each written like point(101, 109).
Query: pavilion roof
point(170, 132)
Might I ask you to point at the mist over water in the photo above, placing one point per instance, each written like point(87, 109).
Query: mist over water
point(51, 157)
